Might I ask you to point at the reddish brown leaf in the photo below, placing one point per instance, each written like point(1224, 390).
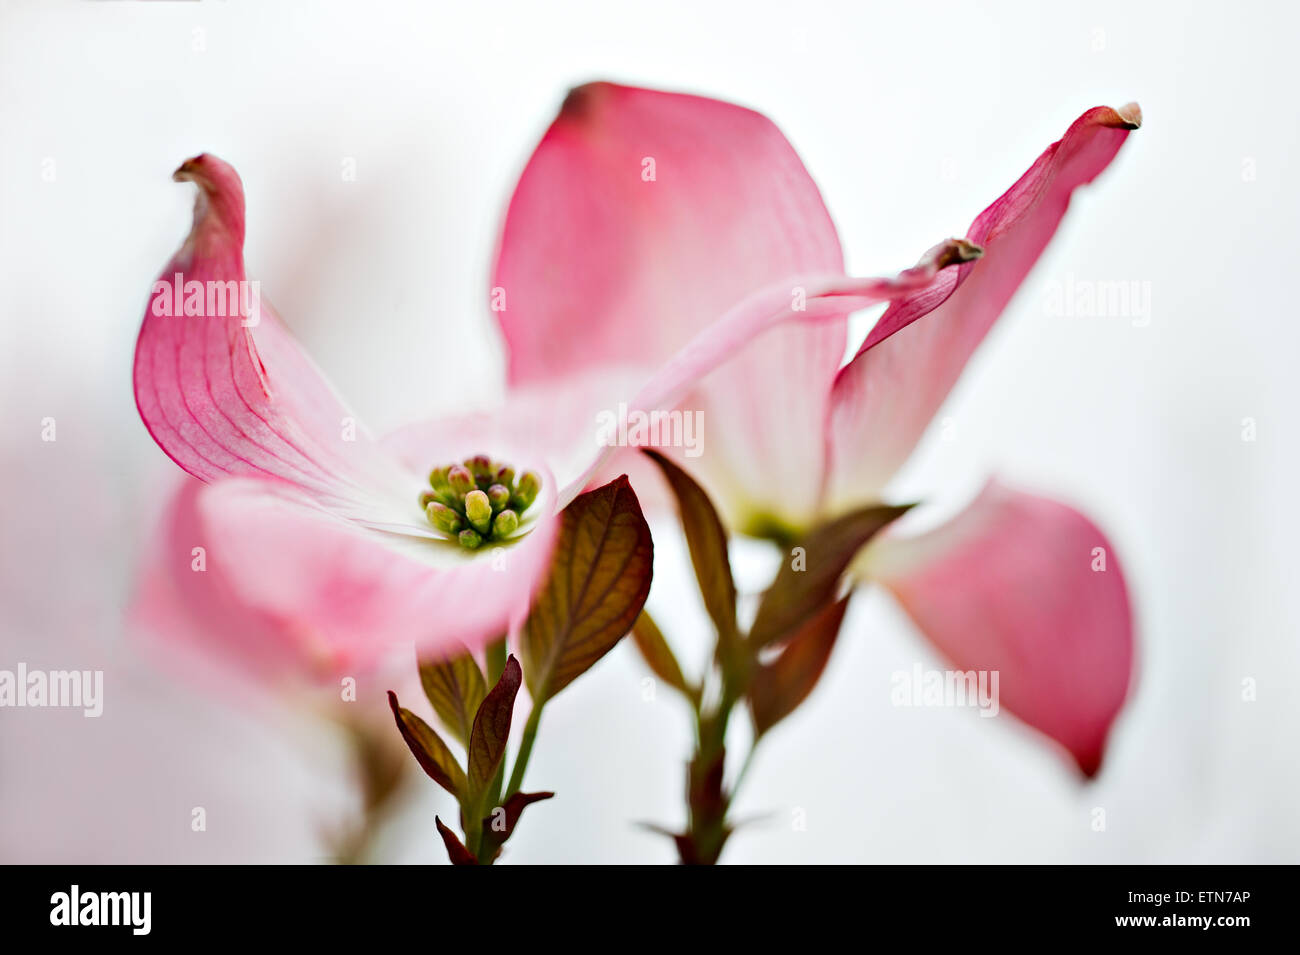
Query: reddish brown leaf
point(456, 850)
point(806, 582)
point(429, 750)
point(491, 731)
point(656, 652)
point(780, 686)
point(599, 579)
point(500, 824)
point(707, 541)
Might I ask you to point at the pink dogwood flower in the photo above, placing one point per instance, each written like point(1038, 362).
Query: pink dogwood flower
point(308, 548)
point(646, 225)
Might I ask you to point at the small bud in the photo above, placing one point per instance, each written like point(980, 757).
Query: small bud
point(480, 466)
point(461, 481)
point(506, 475)
point(470, 539)
point(526, 492)
point(426, 497)
point(443, 517)
point(438, 478)
point(479, 510)
point(499, 495)
point(505, 524)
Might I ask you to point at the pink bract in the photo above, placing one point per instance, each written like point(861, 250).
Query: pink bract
point(606, 265)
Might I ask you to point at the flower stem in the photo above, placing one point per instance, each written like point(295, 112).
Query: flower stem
point(525, 750)
point(474, 830)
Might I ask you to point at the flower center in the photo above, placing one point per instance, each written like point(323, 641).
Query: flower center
point(479, 500)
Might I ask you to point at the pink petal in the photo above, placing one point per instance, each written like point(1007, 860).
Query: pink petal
point(1031, 588)
point(290, 589)
point(826, 297)
point(231, 393)
point(886, 397)
point(599, 265)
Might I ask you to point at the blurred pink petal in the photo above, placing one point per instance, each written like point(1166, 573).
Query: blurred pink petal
point(1031, 588)
point(185, 607)
point(886, 397)
point(288, 588)
point(641, 218)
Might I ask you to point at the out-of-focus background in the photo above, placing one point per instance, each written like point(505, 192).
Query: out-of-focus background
point(1172, 425)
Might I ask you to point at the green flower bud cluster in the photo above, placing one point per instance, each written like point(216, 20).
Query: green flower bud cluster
point(478, 500)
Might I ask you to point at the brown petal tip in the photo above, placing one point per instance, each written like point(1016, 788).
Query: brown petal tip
point(582, 100)
point(188, 171)
point(957, 251)
point(1128, 116)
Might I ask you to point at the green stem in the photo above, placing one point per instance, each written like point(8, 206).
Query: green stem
point(474, 830)
point(708, 797)
point(525, 750)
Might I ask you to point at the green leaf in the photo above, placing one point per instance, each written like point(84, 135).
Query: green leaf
point(499, 824)
point(456, 850)
point(491, 730)
point(654, 648)
point(599, 579)
point(707, 541)
point(429, 750)
point(456, 689)
point(797, 594)
point(776, 688)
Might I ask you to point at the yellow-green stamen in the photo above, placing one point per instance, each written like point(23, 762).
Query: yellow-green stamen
point(479, 500)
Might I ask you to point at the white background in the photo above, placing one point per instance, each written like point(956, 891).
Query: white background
point(912, 118)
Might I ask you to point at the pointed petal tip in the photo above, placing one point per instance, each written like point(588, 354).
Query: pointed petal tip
point(208, 171)
point(580, 100)
point(220, 200)
point(1089, 765)
point(1128, 116)
point(957, 251)
point(185, 172)
point(949, 252)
